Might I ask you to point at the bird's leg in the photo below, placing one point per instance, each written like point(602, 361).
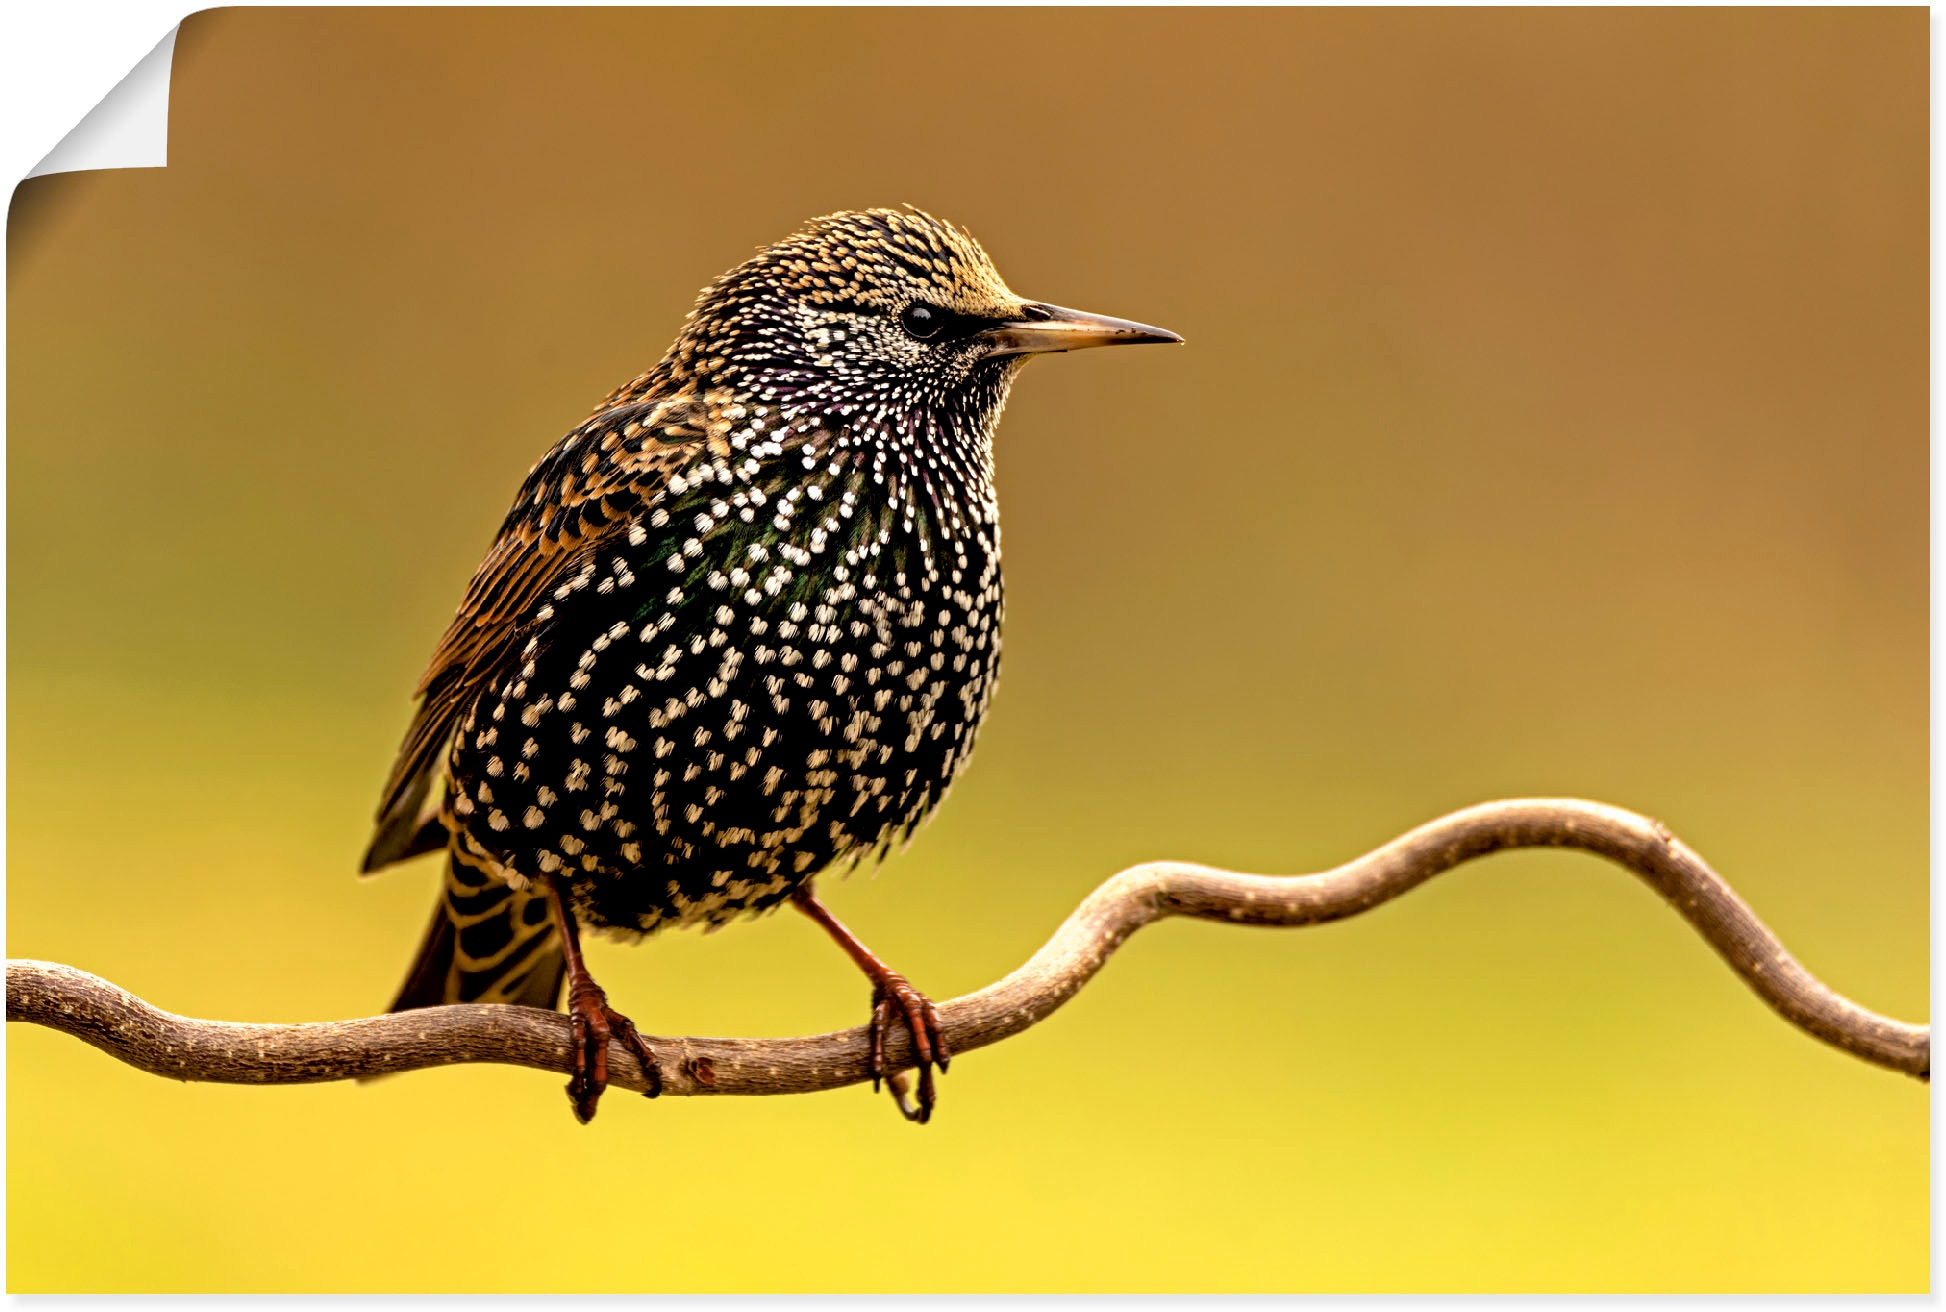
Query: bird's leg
point(593, 1021)
point(892, 998)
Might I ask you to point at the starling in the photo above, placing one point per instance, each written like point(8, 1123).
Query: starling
point(739, 627)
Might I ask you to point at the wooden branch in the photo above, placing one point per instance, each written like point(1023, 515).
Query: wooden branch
point(126, 1027)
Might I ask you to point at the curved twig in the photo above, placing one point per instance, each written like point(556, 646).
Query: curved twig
point(128, 1028)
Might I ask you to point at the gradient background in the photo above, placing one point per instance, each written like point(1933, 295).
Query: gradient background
point(1553, 421)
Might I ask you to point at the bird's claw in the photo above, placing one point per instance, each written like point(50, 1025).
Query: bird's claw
point(893, 999)
point(592, 1023)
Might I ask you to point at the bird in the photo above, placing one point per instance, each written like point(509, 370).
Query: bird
point(739, 628)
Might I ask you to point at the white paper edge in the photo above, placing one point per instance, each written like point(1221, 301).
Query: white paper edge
point(129, 129)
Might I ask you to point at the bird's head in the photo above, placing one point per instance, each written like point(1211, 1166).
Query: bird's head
point(879, 310)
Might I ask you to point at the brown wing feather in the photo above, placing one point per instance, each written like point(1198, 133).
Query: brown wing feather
point(595, 482)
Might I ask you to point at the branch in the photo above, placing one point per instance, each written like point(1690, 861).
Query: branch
point(126, 1027)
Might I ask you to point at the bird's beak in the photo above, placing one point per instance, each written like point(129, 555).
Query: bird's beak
point(1040, 328)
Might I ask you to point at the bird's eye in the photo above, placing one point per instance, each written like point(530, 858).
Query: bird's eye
point(921, 320)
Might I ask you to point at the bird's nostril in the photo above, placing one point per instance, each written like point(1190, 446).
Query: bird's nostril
point(1036, 312)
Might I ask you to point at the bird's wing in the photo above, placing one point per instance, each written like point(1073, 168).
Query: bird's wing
point(594, 483)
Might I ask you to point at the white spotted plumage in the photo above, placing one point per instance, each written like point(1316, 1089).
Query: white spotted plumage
point(743, 623)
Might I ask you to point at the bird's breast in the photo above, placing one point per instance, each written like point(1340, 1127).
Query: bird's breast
point(748, 684)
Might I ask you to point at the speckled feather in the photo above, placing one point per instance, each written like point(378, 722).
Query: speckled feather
point(740, 625)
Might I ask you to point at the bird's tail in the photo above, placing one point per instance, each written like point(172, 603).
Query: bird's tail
point(489, 942)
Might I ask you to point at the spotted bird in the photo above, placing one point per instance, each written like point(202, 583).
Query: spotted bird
point(740, 626)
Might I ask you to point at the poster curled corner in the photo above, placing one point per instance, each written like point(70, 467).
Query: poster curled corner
point(129, 129)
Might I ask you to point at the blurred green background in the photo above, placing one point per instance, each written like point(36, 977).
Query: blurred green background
point(1553, 421)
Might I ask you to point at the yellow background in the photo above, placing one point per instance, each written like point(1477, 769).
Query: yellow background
point(1553, 421)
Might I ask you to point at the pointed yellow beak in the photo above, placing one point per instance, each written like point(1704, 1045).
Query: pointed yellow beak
point(1042, 328)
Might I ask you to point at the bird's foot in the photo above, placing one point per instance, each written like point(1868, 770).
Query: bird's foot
point(594, 1023)
point(894, 1000)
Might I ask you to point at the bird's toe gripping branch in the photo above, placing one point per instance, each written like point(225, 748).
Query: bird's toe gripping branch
point(894, 1000)
point(593, 1023)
